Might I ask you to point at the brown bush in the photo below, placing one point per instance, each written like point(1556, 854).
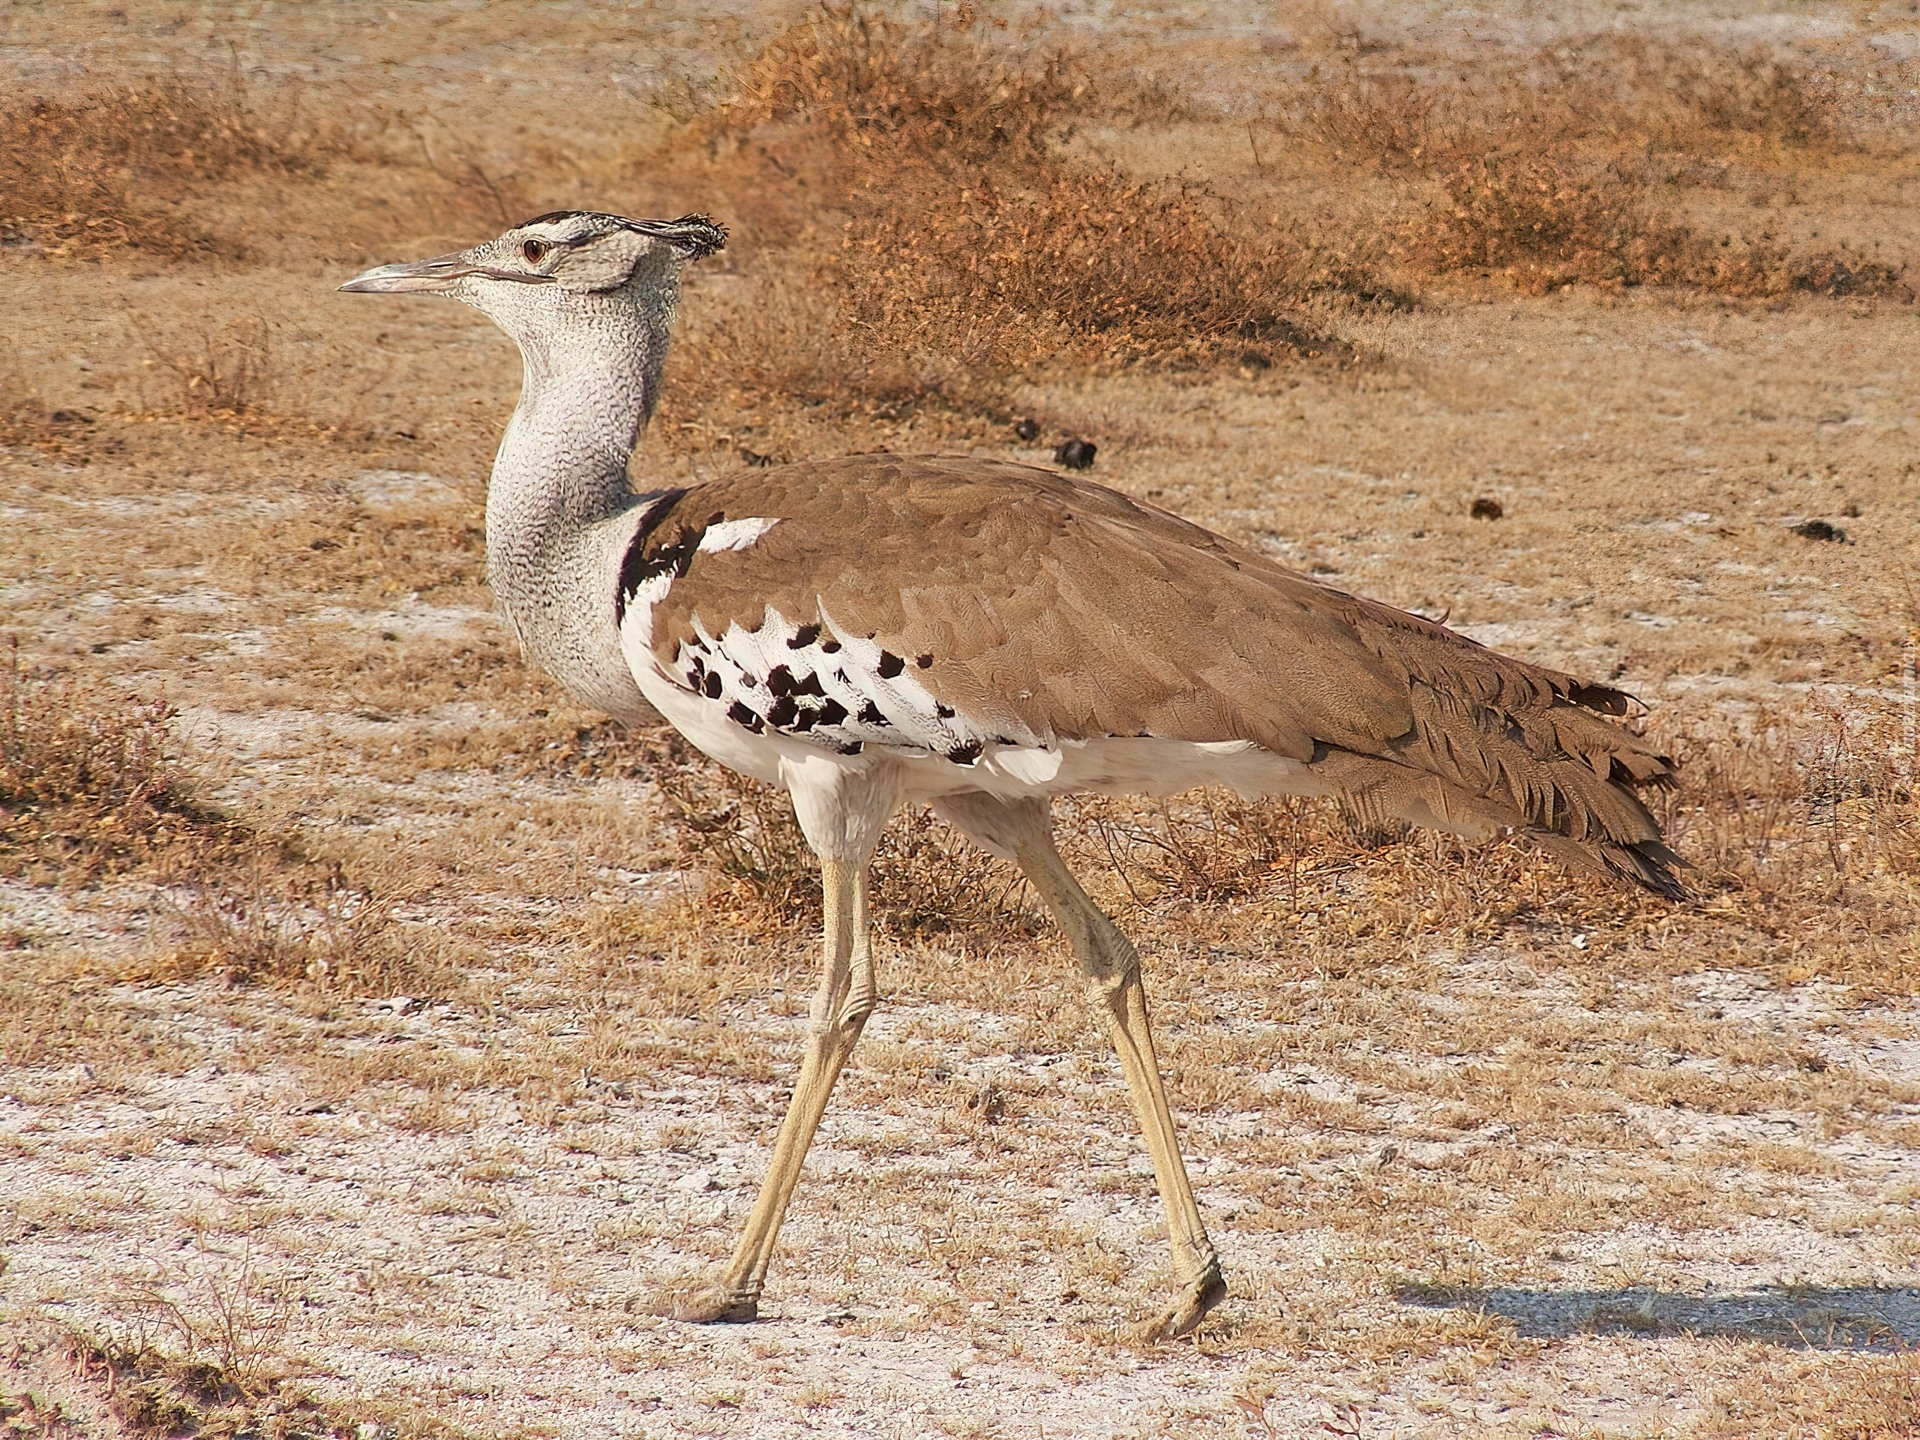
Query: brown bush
point(1089, 263)
point(968, 245)
point(1617, 94)
point(1565, 174)
point(1678, 94)
point(1541, 220)
point(117, 168)
point(926, 878)
point(26, 420)
point(1545, 219)
point(1791, 824)
point(877, 88)
point(270, 917)
point(226, 369)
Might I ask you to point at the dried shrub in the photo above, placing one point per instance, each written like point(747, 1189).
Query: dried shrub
point(216, 370)
point(200, 1352)
point(26, 422)
point(926, 878)
point(1391, 120)
point(1566, 174)
point(969, 246)
point(1684, 93)
point(1791, 824)
point(871, 85)
point(1858, 1397)
point(87, 781)
point(1090, 264)
point(111, 169)
point(280, 920)
point(91, 784)
point(1545, 220)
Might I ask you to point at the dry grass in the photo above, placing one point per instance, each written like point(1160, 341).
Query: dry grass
point(760, 877)
point(121, 167)
point(1862, 1398)
point(1571, 173)
point(89, 782)
point(966, 239)
point(94, 786)
point(1807, 821)
point(1549, 220)
point(27, 423)
point(962, 244)
point(215, 370)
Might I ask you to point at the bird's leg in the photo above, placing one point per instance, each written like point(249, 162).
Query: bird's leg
point(1113, 985)
point(841, 1005)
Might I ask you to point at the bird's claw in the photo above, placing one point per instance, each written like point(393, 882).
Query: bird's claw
point(1189, 1308)
point(711, 1302)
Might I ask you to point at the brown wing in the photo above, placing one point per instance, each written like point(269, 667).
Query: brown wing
point(1071, 611)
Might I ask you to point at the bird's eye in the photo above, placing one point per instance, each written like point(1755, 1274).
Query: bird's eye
point(535, 251)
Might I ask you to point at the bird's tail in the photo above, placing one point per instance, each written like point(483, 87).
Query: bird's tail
point(1559, 774)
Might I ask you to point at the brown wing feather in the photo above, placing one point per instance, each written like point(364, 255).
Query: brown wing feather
point(1082, 613)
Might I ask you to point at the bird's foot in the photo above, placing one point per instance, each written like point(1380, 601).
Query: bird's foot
point(708, 1302)
point(1189, 1308)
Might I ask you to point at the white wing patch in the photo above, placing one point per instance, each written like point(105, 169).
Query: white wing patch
point(815, 683)
point(736, 534)
point(835, 689)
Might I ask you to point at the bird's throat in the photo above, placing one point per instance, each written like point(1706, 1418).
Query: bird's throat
point(558, 501)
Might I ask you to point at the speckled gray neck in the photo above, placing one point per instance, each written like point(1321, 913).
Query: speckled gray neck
point(559, 506)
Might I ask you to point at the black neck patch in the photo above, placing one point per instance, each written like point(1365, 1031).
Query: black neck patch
point(658, 547)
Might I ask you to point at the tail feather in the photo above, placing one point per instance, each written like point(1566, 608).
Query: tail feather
point(1554, 771)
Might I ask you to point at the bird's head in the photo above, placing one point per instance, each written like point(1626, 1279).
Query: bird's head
point(558, 266)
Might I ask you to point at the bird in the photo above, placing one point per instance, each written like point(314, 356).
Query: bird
point(876, 631)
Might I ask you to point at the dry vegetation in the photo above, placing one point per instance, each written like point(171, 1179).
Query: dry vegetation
point(372, 1020)
point(122, 166)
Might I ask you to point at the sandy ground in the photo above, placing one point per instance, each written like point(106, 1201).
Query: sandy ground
point(477, 1264)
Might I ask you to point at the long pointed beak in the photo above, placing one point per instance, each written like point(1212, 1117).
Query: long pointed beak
point(432, 277)
point(412, 277)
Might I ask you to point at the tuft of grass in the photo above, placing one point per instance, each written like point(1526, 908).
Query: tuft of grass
point(281, 921)
point(27, 422)
point(92, 784)
point(1574, 173)
point(216, 370)
point(1545, 219)
point(1800, 821)
point(926, 879)
point(117, 168)
point(1856, 1396)
point(88, 781)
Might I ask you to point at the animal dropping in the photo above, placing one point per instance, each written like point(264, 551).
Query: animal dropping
point(1075, 454)
point(1820, 530)
point(878, 630)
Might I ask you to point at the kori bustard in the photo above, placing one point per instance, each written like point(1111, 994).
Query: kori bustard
point(876, 631)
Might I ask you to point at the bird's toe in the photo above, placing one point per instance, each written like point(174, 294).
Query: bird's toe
point(1189, 1308)
point(708, 1302)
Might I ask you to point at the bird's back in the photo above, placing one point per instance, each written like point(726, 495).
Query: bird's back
point(958, 610)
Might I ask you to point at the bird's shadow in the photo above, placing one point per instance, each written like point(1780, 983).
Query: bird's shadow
point(1808, 1317)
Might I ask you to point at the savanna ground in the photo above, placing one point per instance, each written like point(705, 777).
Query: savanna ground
point(375, 1023)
